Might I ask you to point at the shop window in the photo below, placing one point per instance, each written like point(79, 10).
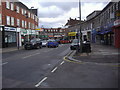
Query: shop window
point(10, 37)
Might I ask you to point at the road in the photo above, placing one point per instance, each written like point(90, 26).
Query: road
point(46, 68)
point(25, 68)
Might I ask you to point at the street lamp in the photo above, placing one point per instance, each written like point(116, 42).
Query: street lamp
point(79, 32)
point(31, 15)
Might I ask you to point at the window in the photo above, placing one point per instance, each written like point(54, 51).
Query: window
point(8, 20)
point(7, 5)
point(25, 24)
point(22, 23)
point(0, 19)
point(29, 15)
point(18, 22)
point(33, 16)
point(12, 21)
point(22, 12)
point(18, 9)
point(29, 25)
point(25, 12)
point(12, 6)
point(0, 2)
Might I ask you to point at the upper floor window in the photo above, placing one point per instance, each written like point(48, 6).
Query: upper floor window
point(18, 22)
point(12, 6)
point(29, 15)
point(25, 11)
point(22, 11)
point(0, 19)
point(18, 9)
point(12, 21)
point(8, 20)
point(7, 5)
point(22, 23)
point(0, 2)
point(25, 24)
point(29, 25)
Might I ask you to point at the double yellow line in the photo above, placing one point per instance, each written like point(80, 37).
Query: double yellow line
point(65, 58)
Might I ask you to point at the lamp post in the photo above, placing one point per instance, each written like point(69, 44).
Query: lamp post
point(79, 32)
point(31, 17)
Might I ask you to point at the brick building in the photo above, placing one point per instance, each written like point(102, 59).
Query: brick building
point(18, 23)
point(73, 27)
point(53, 33)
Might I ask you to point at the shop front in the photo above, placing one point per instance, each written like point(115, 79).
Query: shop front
point(10, 36)
point(116, 30)
point(72, 35)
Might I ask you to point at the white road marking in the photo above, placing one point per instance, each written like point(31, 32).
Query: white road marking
point(4, 63)
point(41, 82)
point(54, 69)
point(30, 55)
point(62, 62)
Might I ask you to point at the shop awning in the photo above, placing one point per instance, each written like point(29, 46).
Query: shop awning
point(72, 33)
point(104, 31)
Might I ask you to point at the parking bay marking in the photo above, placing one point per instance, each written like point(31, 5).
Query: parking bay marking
point(41, 82)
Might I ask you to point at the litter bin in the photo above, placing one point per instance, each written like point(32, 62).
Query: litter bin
point(86, 47)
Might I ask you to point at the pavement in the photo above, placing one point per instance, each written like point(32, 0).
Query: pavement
point(10, 49)
point(99, 54)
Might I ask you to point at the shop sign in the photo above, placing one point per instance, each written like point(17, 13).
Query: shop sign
point(72, 33)
point(10, 29)
point(117, 22)
point(23, 31)
point(84, 32)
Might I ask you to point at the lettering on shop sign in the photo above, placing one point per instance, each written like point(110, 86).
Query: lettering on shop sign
point(10, 29)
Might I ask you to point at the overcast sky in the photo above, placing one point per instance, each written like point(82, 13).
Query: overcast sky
point(55, 13)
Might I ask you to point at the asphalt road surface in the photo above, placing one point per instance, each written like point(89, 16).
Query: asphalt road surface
point(47, 68)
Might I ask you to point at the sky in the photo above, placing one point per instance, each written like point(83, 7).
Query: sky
point(55, 13)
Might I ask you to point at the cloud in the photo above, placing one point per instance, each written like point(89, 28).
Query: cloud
point(56, 13)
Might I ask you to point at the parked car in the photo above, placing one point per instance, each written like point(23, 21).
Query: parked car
point(64, 41)
point(33, 43)
point(44, 43)
point(74, 45)
point(52, 43)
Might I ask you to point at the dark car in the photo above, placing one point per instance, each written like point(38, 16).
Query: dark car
point(52, 43)
point(75, 44)
point(33, 43)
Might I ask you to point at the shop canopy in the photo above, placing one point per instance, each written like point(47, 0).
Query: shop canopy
point(72, 33)
point(104, 31)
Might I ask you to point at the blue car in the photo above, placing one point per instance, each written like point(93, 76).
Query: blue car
point(52, 43)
